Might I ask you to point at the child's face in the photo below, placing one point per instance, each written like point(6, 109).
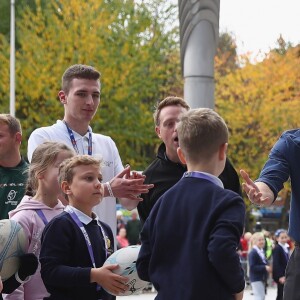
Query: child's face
point(260, 242)
point(283, 238)
point(50, 177)
point(86, 189)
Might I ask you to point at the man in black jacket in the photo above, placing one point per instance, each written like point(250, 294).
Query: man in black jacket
point(166, 169)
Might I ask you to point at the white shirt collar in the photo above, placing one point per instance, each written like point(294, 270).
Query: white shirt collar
point(76, 135)
point(83, 218)
point(285, 247)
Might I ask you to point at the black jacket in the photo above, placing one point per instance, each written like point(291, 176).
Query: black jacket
point(164, 173)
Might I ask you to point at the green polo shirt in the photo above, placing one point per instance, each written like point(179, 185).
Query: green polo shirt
point(12, 187)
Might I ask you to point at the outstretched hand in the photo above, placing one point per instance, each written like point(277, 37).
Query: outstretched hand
point(129, 185)
point(253, 190)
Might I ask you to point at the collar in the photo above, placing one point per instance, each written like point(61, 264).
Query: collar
point(285, 247)
point(209, 176)
point(83, 218)
point(161, 154)
point(77, 136)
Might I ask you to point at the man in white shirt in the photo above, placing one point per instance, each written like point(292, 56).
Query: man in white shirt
point(80, 96)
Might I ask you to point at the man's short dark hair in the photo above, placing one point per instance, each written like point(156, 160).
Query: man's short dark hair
point(79, 72)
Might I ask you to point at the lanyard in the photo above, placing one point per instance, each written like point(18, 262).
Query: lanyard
point(201, 176)
point(87, 238)
point(73, 141)
point(42, 216)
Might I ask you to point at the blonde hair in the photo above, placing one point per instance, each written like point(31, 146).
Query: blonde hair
point(43, 157)
point(201, 132)
point(254, 238)
point(13, 123)
point(169, 101)
point(66, 168)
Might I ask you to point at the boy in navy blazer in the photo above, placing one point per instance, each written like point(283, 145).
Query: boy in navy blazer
point(190, 239)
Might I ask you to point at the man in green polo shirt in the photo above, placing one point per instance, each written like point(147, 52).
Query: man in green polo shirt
point(13, 168)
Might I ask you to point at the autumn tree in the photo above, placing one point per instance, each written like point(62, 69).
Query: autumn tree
point(259, 102)
point(127, 41)
point(226, 59)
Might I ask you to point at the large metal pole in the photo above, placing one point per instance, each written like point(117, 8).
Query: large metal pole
point(12, 94)
point(199, 33)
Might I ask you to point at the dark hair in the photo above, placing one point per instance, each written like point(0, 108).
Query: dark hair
point(279, 231)
point(79, 72)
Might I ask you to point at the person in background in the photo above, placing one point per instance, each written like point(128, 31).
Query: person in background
point(258, 266)
point(133, 228)
point(38, 207)
point(280, 260)
point(80, 96)
point(13, 167)
point(189, 240)
point(167, 169)
point(122, 240)
point(120, 221)
point(245, 241)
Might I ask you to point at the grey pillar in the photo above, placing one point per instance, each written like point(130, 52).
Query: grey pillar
point(199, 33)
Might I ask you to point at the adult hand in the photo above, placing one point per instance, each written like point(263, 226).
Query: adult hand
point(258, 193)
point(129, 185)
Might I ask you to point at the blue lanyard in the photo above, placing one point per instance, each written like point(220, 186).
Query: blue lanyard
point(73, 141)
point(42, 216)
point(201, 176)
point(87, 238)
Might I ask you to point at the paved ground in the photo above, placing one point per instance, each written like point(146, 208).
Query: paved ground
point(271, 295)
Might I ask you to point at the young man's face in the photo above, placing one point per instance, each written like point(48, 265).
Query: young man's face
point(8, 141)
point(86, 189)
point(82, 100)
point(169, 117)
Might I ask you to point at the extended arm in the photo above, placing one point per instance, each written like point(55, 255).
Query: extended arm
point(258, 193)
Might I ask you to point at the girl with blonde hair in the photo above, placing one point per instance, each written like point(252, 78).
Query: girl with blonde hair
point(39, 205)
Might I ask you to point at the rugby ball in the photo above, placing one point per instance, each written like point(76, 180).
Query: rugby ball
point(126, 259)
point(12, 246)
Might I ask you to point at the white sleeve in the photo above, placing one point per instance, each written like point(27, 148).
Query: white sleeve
point(36, 138)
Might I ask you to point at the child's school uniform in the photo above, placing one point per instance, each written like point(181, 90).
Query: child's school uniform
point(190, 239)
point(65, 258)
point(280, 260)
point(257, 265)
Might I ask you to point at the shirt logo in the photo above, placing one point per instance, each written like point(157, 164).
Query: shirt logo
point(11, 195)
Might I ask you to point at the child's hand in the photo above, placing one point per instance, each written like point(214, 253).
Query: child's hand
point(269, 269)
point(108, 280)
point(239, 296)
point(282, 280)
